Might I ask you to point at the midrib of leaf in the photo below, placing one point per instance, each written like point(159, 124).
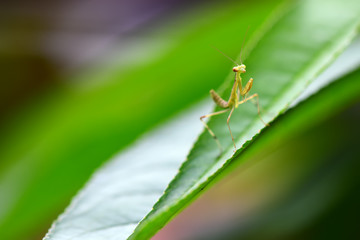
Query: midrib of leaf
point(311, 70)
point(167, 208)
point(307, 72)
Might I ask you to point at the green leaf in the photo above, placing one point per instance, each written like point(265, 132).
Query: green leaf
point(120, 198)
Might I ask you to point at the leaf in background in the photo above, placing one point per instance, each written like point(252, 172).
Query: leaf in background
point(49, 150)
point(121, 207)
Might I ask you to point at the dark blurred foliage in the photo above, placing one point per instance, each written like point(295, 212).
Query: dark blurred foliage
point(43, 41)
point(324, 205)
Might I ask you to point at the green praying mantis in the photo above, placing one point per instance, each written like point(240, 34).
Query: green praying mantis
point(234, 101)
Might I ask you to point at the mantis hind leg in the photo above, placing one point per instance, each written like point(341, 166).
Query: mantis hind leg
point(209, 130)
point(257, 103)
point(228, 120)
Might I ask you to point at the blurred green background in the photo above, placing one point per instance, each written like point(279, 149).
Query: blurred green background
point(81, 80)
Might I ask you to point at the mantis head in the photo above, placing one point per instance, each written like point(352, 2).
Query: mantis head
point(240, 68)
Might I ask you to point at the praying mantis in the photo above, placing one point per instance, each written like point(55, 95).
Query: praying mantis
point(234, 101)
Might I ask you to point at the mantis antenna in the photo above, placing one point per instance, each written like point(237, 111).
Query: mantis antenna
point(225, 55)
point(242, 45)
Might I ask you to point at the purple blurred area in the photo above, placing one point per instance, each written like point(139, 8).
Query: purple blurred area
point(41, 41)
point(73, 33)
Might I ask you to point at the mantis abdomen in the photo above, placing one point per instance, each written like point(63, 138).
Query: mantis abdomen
point(218, 100)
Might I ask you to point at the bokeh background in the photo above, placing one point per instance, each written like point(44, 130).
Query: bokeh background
point(44, 43)
point(81, 80)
